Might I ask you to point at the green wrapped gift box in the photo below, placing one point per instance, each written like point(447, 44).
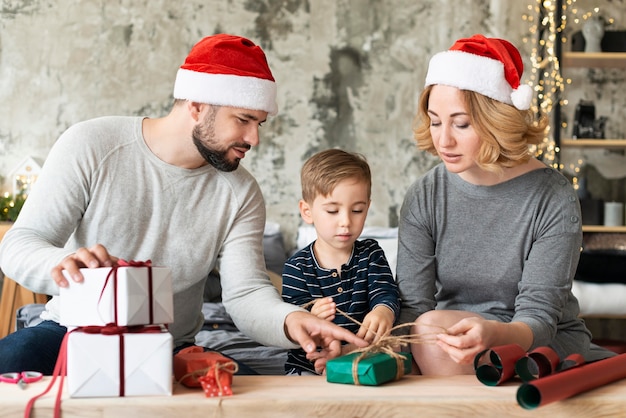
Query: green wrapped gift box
point(372, 369)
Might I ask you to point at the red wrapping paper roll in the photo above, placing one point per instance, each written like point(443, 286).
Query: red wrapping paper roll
point(540, 362)
point(571, 382)
point(497, 365)
point(573, 360)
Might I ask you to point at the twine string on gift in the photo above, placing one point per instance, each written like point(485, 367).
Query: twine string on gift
point(227, 367)
point(386, 343)
point(217, 368)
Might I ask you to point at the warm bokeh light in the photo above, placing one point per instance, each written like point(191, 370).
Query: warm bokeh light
point(545, 75)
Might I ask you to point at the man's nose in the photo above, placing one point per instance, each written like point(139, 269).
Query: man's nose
point(252, 136)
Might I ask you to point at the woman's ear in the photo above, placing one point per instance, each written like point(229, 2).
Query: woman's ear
point(305, 212)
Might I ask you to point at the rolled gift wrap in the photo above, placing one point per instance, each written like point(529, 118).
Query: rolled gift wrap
point(540, 362)
point(571, 382)
point(497, 364)
point(573, 360)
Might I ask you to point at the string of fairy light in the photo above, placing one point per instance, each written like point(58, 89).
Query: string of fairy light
point(545, 74)
point(545, 30)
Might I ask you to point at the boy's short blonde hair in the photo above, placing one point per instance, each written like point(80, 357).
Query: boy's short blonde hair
point(322, 172)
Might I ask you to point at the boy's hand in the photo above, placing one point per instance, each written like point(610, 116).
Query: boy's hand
point(376, 324)
point(348, 348)
point(324, 308)
point(320, 339)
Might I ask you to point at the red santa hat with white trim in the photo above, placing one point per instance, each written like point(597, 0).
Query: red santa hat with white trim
point(227, 70)
point(490, 66)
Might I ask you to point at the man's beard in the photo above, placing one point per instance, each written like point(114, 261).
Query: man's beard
point(217, 158)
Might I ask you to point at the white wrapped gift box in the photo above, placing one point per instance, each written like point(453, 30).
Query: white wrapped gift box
point(136, 295)
point(126, 364)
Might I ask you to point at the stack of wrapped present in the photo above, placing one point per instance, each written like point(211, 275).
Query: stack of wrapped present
point(118, 343)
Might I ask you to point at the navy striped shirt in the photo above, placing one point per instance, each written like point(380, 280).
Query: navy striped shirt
point(365, 282)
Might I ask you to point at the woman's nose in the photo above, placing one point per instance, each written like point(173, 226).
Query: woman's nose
point(445, 136)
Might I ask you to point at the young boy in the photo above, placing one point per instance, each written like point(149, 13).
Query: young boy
point(337, 272)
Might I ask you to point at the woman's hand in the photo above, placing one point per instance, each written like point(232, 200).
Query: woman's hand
point(472, 335)
point(466, 339)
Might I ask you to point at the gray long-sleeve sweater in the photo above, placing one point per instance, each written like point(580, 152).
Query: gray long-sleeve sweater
point(508, 252)
point(102, 184)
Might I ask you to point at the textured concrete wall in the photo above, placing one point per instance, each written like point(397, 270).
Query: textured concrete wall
point(349, 73)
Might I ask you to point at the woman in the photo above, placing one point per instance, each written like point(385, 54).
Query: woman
point(489, 239)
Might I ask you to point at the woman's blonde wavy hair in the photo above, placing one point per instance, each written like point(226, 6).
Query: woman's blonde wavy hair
point(506, 132)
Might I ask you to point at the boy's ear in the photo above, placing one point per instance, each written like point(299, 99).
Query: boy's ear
point(305, 212)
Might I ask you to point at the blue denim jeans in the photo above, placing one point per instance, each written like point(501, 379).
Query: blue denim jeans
point(37, 348)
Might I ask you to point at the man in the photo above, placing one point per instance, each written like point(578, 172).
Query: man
point(170, 190)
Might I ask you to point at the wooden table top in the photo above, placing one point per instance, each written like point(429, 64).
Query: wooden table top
point(311, 396)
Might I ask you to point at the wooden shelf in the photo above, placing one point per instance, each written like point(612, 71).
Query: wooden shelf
point(602, 228)
point(594, 59)
point(594, 143)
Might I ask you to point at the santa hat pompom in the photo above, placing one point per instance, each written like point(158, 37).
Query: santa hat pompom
point(490, 66)
point(522, 96)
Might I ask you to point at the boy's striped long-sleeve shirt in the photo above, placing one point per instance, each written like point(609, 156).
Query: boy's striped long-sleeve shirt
point(365, 282)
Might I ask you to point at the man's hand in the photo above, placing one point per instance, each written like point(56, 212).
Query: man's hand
point(376, 323)
point(96, 256)
point(324, 308)
point(320, 339)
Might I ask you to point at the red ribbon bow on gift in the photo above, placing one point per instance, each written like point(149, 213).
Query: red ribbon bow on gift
point(60, 368)
point(133, 263)
point(113, 274)
point(112, 329)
